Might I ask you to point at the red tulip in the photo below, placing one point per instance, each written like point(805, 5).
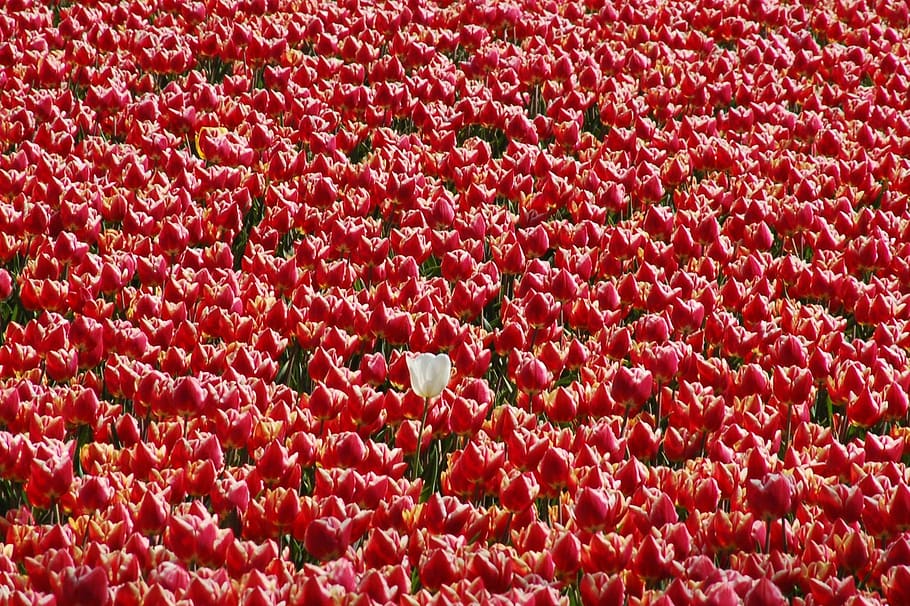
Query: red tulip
point(764, 592)
point(6, 284)
point(275, 465)
point(84, 587)
point(95, 493)
point(438, 569)
point(519, 492)
point(600, 589)
point(596, 509)
point(865, 409)
point(191, 538)
point(152, 514)
point(173, 238)
point(652, 560)
point(896, 584)
point(327, 538)
point(631, 387)
point(554, 469)
point(531, 375)
point(566, 552)
point(50, 473)
point(771, 497)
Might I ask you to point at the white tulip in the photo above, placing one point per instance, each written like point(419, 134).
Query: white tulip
point(429, 374)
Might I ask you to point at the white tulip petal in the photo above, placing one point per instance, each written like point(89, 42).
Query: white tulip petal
point(429, 373)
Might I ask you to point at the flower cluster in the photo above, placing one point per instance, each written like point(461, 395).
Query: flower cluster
point(660, 256)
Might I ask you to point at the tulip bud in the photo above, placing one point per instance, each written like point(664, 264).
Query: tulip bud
point(765, 593)
point(84, 586)
point(532, 375)
point(566, 552)
point(770, 499)
point(518, 493)
point(595, 509)
point(6, 284)
point(631, 386)
point(173, 238)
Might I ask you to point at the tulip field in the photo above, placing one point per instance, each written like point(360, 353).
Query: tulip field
point(596, 302)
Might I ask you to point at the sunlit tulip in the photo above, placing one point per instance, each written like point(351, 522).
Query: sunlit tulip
point(668, 258)
point(429, 376)
point(429, 373)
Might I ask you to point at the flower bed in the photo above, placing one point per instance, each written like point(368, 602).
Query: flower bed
point(665, 249)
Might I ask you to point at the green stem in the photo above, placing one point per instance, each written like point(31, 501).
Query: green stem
point(423, 422)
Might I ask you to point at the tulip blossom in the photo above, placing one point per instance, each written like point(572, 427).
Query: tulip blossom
point(429, 374)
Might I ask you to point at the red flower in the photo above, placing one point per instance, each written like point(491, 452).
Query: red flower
point(602, 589)
point(764, 593)
point(6, 284)
point(438, 569)
point(519, 492)
point(531, 375)
point(896, 584)
point(631, 387)
point(50, 473)
point(566, 552)
point(771, 497)
point(596, 509)
point(152, 514)
point(84, 586)
point(652, 560)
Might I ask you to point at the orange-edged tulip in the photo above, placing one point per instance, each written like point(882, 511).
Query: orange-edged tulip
point(519, 492)
point(602, 589)
point(84, 586)
point(596, 509)
point(765, 593)
point(566, 552)
point(327, 538)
